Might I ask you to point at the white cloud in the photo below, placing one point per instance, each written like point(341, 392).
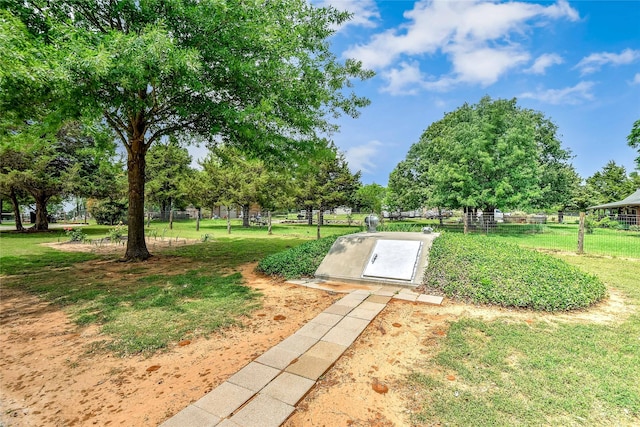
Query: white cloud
point(364, 12)
point(484, 65)
point(543, 62)
point(361, 157)
point(404, 80)
point(595, 61)
point(476, 36)
point(636, 79)
point(570, 95)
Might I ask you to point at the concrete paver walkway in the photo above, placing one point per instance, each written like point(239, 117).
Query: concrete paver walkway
point(264, 393)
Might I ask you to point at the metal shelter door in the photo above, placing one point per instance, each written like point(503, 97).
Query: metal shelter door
point(393, 259)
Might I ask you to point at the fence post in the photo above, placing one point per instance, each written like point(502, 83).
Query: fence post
point(465, 216)
point(581, 234)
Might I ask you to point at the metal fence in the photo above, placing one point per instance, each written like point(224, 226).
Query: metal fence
point(619, 236)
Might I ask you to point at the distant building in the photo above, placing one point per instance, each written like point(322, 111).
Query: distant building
point(626, 210)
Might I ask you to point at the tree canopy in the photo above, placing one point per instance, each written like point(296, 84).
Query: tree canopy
point(486, 155)
point(634, 140)
point(610, 184)
point(254, 74)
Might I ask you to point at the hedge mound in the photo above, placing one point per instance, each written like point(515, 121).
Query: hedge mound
point(301, 261)
point(482, 270)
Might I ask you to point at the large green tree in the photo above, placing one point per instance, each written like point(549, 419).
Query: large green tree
point(610, 184)
point(68, 163)
point(370, 197)
point(634, 140)
point(326, 183)
point(168, 167)
point(488, 155)
point(257, 74)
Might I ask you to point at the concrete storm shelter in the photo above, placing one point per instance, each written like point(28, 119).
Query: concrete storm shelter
point(391, 258)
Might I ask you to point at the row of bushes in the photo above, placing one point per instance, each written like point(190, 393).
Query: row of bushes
point(300, 261)
point(474, 268)
point(607, 222)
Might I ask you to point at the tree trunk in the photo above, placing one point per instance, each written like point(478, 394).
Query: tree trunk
point(269, 223)
point(560, 217)
point(440, 215)
point(319, 223)
point(228, 219)
point(16, 210)
point(136, 164)
point(310, 215)
point(42, 223)
point(245, 216)
point(198, 220)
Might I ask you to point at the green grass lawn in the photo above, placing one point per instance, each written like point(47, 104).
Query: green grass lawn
point(184, 291)
point(550, 372)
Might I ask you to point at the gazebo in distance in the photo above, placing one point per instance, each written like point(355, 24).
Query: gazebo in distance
point(625, 211)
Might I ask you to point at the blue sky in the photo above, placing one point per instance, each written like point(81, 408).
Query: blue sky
point(577, 62)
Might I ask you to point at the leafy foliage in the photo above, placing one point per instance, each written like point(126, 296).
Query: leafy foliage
point(475, 268)
point(108, 212)
point(634, 140)
point(255, 75)
point(610, 184)
point(487, 155)
point(297, 262)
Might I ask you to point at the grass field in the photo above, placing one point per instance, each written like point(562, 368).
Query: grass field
point(544, 373)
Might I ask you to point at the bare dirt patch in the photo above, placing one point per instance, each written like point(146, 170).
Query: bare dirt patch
point(49, 376)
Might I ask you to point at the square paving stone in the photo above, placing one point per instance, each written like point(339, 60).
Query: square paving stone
point(326, 319)
point(297, 343)
point(430, 299)
point(338, 309)
point(367, 305)
point(263, 411)
point(361, 313)
point(406, 296)
point(387, 291)
point(341, 336)
point(313, 330)
point(288, 388)
point(326, 350)
point(254, 376)
point(348, 301)
point(224, 399)
point(192, 416)
point(379, 299)
point(277, 357)
point(353, 324)
point(228, 423)
point(309, 367)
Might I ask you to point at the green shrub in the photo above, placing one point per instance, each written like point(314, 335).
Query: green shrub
point(398, 226)
point(297, 262)
point(109, 212)
point(75, 235)
point(607, 222)
point(475, 268)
